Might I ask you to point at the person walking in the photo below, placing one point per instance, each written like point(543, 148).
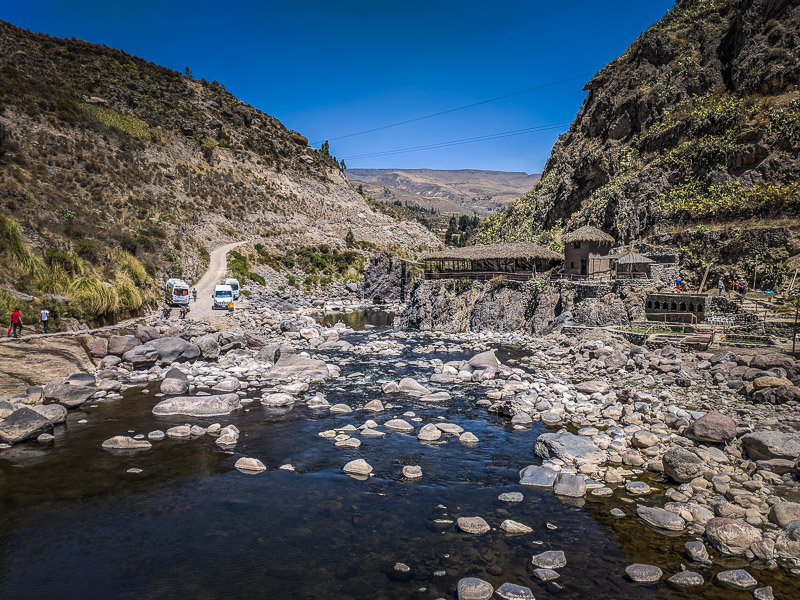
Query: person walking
point(194, 294)
point(45, 319)
point(16, 323)
point(720, 286)
point(678, 283)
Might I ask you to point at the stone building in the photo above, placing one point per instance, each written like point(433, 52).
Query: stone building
point(586, 254)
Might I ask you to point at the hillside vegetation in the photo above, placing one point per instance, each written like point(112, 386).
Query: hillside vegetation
point(104, 156)
point(694, 128)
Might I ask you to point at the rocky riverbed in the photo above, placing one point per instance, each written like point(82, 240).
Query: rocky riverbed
point(393, 464)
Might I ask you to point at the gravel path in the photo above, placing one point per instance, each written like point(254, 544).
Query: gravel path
point(217, 268)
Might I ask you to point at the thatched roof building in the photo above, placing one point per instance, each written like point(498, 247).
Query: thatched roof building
point(496, 251)
point(521, 260)
point(587, 233)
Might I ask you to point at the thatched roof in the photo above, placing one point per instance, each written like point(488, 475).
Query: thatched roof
point(634, 258)
point(587, 233)
point(516, 250)
point(794, 262)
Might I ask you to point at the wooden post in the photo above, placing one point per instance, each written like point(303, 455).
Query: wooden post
point(755, 272)
point(703, 283)
point(791, 285)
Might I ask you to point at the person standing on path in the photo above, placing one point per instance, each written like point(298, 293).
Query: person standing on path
point(16, 323)
point(45, 319)
point(720, 286)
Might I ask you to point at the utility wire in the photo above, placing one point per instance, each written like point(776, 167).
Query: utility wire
point(481, 138)
point(456, 109)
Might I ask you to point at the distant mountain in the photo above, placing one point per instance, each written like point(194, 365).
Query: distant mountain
point(461, 191)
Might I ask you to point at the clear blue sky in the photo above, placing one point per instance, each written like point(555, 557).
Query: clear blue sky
point(330, 68)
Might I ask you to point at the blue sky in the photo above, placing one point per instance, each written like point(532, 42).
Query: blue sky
point(330, 68)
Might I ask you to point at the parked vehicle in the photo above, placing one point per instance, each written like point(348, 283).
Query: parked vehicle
point(223, 295)
point(234, 283)
point(176, 292)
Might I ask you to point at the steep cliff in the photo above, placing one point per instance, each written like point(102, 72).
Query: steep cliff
point(697, 123)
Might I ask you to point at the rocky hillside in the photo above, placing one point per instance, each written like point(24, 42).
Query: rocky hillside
point(458, 191)
point(695, 126)
point(102, 152)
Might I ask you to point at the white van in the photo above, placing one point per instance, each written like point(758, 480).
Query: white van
point(176, 292)
point(234, 283)
point(223, 295)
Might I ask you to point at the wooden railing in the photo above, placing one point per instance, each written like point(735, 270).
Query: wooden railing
point(481, 275)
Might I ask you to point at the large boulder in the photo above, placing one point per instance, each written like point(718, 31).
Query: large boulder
point(595, 386)
point(56, 413)
point(174, 349)
point(120, 344)
point(731, 536)
point(712, 427)
point(270, 353)
point(484, 360)
point(209, 347)
point(764, 445)
point(175, 382)
point(147, 333)
point(537, 476)
point(198, 406)
point(230, 340)
point(125, 442)
point(294, 366)
point(783, 513)
point(574, 449)
point(24, 424)
point(412, 387)
point(61, 392)
point(661, 518)
point(681, 465)
point(141, 357)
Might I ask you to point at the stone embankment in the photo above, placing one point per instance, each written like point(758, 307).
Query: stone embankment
point(705, 444)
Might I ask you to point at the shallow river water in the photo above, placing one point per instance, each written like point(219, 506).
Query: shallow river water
point(75, 524)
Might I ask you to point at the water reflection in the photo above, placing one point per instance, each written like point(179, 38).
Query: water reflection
point(191, 525)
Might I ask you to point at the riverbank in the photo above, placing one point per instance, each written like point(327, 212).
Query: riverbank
point(607, 442)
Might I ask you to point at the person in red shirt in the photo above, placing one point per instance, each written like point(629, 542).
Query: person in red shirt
point(16, 323)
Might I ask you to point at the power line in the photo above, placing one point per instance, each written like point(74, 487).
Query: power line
point(456, 109)
point(481, 138)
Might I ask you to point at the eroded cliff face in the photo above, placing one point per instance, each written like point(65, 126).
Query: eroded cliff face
point(697, 122)
point(536, 307)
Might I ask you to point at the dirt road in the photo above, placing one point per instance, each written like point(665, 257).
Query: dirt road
point(217, 268)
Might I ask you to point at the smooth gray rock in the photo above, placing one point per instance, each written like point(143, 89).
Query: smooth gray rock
point(358, 467)
point(53, 412)
point(472, 588)
point(399, 425)
point(412, 387)
point(198, 406)
point(567, 484)
point(511, 591)
point(552, 559)
point(731, 536)
point(681, 465)
point(61, 392)
point(174, 349)
point(510, 497)
point(208, 345)
point(696, 550)
point(141, 357)
point(474, 525)
point(124, 442)
point(175, 382)
point(120, 344)
point(737, 578)
point(764, 593)
point(23, 424)
point(686, 579)
point(765, 445)
point(484, 360)
point(536, 476)
point(270, 353)
point(571, 448)
point(546, 574)
point(146, 333)
point(660, 518)
point(429, 433)
point(639, 573)
point(294, 366)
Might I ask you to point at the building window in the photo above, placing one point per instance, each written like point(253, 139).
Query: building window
point(576, 245)
point(572, 265)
